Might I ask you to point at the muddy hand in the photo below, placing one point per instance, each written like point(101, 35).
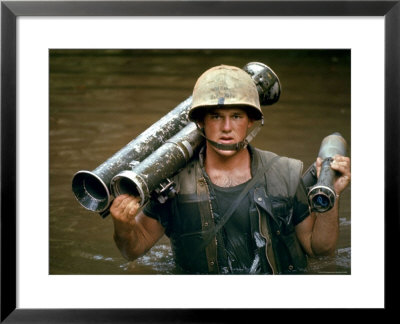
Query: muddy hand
point(124, 209)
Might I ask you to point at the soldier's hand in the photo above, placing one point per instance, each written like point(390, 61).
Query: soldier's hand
point(124, 208)
point(342, 165)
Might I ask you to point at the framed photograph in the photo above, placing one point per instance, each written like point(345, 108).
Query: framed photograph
point(79, 80)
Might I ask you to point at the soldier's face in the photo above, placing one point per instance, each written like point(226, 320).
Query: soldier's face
point(227, 125)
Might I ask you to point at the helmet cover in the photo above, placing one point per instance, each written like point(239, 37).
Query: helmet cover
point(225, 86)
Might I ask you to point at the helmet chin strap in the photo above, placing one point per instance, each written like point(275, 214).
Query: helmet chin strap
point(235, 146)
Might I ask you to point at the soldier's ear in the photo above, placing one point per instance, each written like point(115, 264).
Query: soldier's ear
point(200, 122)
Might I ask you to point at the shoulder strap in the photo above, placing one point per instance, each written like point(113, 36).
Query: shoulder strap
point(207, 224)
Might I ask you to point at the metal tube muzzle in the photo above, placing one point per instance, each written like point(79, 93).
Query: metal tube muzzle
point(91, 191)
point(322, 195)
point(266, 80)
point(129, 182)
point(165, 162)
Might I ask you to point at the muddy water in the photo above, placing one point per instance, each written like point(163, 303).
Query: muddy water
point(101, 100)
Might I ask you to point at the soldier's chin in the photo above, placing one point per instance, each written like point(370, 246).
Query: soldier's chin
point(226, 154)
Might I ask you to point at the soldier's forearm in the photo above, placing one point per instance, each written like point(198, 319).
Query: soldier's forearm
point(326, 232)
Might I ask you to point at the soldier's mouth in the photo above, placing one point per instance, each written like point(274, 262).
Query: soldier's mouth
point(225, 140)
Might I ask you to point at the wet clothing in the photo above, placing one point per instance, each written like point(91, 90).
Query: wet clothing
point(236, 233)
point(259, 237)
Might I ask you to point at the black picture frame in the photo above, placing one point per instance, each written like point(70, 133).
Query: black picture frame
point(10, 10)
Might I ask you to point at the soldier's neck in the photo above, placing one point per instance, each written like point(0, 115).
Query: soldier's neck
point(227, 169)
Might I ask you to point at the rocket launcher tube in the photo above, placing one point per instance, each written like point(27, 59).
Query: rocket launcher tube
point(322, 195)
point(165, 162)
point(92, 188)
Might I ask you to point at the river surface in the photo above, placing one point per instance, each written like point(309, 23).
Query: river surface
point(101, 99)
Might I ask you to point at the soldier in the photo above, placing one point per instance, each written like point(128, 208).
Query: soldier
point(238, 209)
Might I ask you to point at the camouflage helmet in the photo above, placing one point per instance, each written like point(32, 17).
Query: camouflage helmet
point(225, 86)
